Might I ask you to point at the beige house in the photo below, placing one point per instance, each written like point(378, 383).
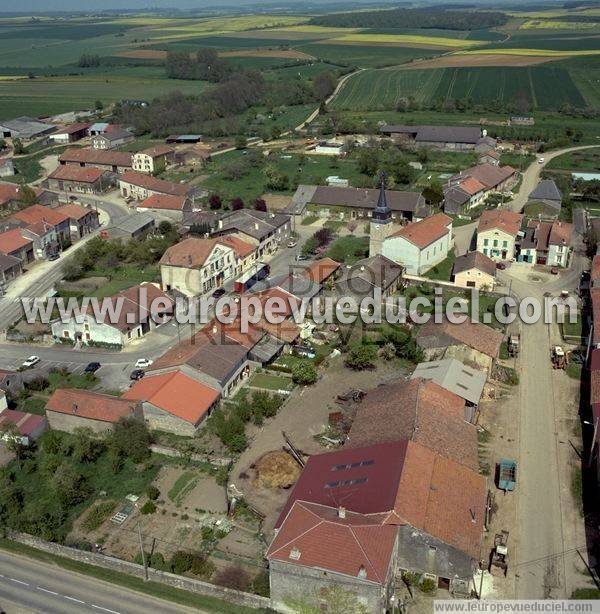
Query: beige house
point(152, 160)
point(497, 233)
point(474, 270)
point(141, 186)
point(197, 266)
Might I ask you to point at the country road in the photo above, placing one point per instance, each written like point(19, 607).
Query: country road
point(27, 585)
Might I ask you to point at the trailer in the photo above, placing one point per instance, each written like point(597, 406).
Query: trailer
point(558, 357)
point(257, 272)
point(507, 474)
point(499, 556)
point(514, 344)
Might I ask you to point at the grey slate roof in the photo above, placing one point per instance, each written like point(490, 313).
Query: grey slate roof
point(367, 274)
point(474, 260)
point(546, 190)
point(256, 224)
point(437, 134)
point(132, 223)
point(26, 127)
point(363, 198)
point(455, 377)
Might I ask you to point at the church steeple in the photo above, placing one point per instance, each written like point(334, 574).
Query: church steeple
point(382, 213)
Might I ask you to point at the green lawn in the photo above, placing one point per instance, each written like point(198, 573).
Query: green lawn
point(587, 160)
point(184, 483)
point(271, 382)
point(28, 168)
point(443, 270)
point(349, 249)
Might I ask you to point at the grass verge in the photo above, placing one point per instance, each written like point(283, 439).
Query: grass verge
point(154, 589)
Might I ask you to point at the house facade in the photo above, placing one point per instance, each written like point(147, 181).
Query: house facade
point(421, 245)
point(140, 186)
point(82, 220)
point(14, 243)
point(110, 140)
point(79, 180)
point(153, 160)
point(497, 234)
point(474, 270)
point(546, 243)
point(111, 161)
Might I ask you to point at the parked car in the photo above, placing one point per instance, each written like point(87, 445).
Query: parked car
point(137, 374)
point(142, 363)
point(541, 161)
point(501, 265)
point(218, 293)
point(301, 257)
point(30, 362)
point(92, 367)
point(292, 243)
point(53, 256)
point(554, 270)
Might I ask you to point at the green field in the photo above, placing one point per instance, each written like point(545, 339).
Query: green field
point(547, 87)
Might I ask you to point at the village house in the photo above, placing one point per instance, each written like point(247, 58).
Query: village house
point(112, 161)
point(14, 243)
point(11, 382)
point(356, 203)
point(471, 187)
point(139, 310)
point(153, 160)
point(140, 186)
point(112, 139)
point(457, 378)
point(442, 137)
point(474, 270)
point(439, 525)
point(11, 196)
point(196, 266)
point(7, 167)
point(21, 426)
point(50, 226)
point(421, 245)
point(79, 180)
point(472, 343)
point(135, 226)
point(546, 243)
point(167, 206)
point(369, 275)
point(10, 268)
point(174, 402)
point(322, 271)
point(68, 409)
point(69, 134)
point(82, 220)
point(545, 200)
point(497, 233)
point(266, 231)
point(219, 356)
point(489, 157)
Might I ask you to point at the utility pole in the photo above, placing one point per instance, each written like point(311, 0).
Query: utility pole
point(143, 554)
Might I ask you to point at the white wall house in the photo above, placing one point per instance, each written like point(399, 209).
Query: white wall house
point(420, 246)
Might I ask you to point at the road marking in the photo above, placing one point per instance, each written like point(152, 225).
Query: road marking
point(45, 590)
point(19, 581)
point(73, 599)
point(98, 607)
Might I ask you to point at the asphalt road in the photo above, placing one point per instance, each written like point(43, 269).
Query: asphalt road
point(27, 585)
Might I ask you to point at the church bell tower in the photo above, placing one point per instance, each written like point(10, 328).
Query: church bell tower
point(381, 222)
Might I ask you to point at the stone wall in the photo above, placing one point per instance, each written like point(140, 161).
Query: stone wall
point(125, 567)
point(219, 461)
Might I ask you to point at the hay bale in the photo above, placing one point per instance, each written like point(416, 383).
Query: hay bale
point(276, 470)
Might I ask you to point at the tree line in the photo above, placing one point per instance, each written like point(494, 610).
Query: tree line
point(414, 18)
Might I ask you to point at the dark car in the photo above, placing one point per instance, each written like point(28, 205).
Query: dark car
point(500, 265)
point(54, 256)
point(137, 374)
point(92, 367)
point(218, 293)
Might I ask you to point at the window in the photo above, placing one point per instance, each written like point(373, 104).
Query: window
point(504, 243)
point(486, 241)
point(485, 251)
point(495, 242)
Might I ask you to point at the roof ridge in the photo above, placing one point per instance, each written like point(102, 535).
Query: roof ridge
point(351, 529)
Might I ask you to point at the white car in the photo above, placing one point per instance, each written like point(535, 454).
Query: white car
point(292, 243)
point(541, 161)
point(31, 362)
point(142, 363)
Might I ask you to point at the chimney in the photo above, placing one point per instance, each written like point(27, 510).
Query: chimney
point(341, 512)
point(295, 554)
point(74, 408)
point(190, 259)
point(220, 224)
point(255, 225)
point(362, 572)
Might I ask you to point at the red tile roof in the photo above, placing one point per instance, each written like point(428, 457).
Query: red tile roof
point(87, 155)
point(193, 252)
point(27, 424)
point(561, 233)
point(77, 173)
point(12, 241)
point(425, 232)
point(37, 214)
point(91, 405)
point(317, 537)
point(471, 186)
point(158, 150)
point(418, 410)
point(75, 212)
point(175, 393)
point(11, 191)
point(474, 260)
point(167, 202)
point(73, 128)
point(319, 270)
point(487, 174)
point(155, 185)
point(399, 483)
point(596, 268)
point(500, 219)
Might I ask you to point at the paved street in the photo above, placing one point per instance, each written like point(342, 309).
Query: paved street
point(27, 585)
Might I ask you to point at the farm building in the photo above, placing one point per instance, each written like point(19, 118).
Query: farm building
point(113, 161)
point(134, 226)
point(80, 180)
point(266, 231)
point(7, 167)
point(152, 160)
point(489, 157)
point(112, 139)
point(184, 138)
point(167, 205)
point(421, 245)
point(497, 233)
point(69, 409)
point(140, 309)
point(353, 203)
point(21, 426)
point(82, 220)
point(14, 243)
point(25, 128)
point(10, 268)
point(474, 270)
point(69, 134)
point(174, 402)
point(443, 137)
point(545, 200)
point(141, 186)
point(546, 243)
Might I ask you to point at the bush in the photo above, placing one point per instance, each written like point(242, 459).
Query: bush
point(202, 567)
point(304, 373)
point(152, 493)
point(428, 586)
point(148, 508)
point(234, 577)
point(97, 515)
point(361, 356)
point(181, 562)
